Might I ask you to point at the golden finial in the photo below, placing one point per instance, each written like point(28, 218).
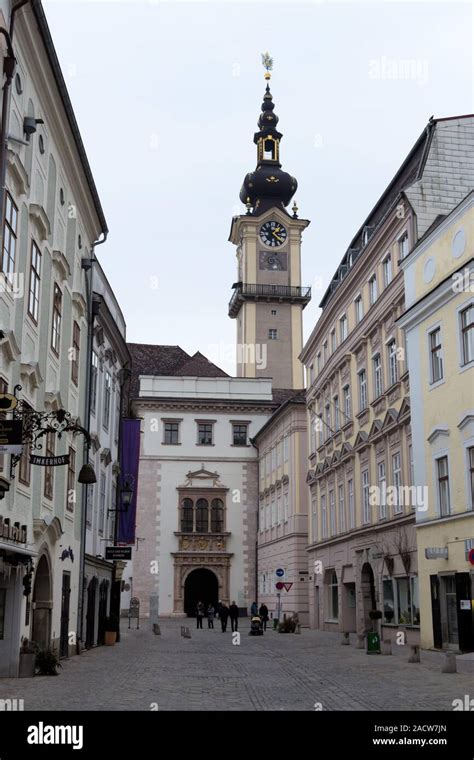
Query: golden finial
point(267, 63)
point(248, 205)
point(295, 211)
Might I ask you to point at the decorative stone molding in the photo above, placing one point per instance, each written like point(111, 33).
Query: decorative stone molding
point(31, 373)
point(61, 265)
point(9, 345)
point(52, 400)
point(18, 172)
point(204, 542)
point(79, 302)
point(51, 526)
point(40, 218)
point(437, 432)
point(105, 456)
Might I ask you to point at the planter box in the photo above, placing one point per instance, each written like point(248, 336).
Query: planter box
point(27, 665)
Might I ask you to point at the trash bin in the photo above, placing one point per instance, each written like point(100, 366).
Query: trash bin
point(373, 643)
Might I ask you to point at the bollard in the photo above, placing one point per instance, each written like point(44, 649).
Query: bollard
point(298, 628)
point(345, 639)
point(360, 641)
point(450, 663)
point(156, 629)
point(415, 654)
point(386, 647)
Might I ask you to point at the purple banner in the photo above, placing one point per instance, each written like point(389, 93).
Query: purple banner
point(129, 457)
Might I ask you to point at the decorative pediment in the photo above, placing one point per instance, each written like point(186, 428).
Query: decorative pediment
point(79, 302)
point(49, 526)
point(362, 440)
point(326, 464)
point(40, 218)
point(9, 345)
point(202, 478)
point(32, 373)
point(375, 428)
point(319, 469)
point(99, 335)
point(310, 476)
point(285, 479)
point(18, 172)
point(346, 449)
point(404, 412)
point(52, 400)
point(106, 456)
point(335, 457)
point(61, 265)
point(438, 432)
point(466, 420)
point(111, 355)
point(390, 419)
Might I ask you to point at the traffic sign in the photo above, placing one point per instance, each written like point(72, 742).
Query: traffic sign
point(279, 585)
point(279, 572)
point(287, 586)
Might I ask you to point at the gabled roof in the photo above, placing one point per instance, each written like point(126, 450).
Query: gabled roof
point(361, 440)
point(404, 408)
point(390, 418)
point(375, 427)
point(199, 366)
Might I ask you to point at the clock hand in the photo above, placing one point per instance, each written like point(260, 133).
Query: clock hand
point(278, 238)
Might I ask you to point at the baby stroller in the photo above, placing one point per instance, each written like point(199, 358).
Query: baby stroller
point(256, 628)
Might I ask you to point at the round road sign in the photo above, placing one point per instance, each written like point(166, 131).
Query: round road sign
point(279, 572)
point(279, 585)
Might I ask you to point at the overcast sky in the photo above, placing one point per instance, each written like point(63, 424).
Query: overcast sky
point(167, 95)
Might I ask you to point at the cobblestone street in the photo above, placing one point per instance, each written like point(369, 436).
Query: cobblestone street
point(273, 672)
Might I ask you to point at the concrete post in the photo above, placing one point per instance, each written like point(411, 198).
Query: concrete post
point(345, 639)
point(386, 647)
point(415, 654)
point(450, 663)
point(360, 641)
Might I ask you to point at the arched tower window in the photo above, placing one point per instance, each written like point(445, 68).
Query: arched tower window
point(202, 516)
point(268, 149)
point(217, 516)
point(187, 516)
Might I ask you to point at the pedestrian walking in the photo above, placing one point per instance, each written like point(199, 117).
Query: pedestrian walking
point(254, 609)
point(263, 612)
point(210, 616)
point(234, 616)
point(224, 614)
point(199, 614)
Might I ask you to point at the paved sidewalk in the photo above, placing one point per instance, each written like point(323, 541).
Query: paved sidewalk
point(271, 672)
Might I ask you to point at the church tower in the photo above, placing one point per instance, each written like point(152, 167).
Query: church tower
point(268, 299)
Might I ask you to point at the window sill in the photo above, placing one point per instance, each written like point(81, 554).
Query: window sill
point(464, 367)
point(163, 443)
point(240, 445)
point(436, 384)
point(199, 444)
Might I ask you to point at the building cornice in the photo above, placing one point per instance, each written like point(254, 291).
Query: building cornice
point(363, 531)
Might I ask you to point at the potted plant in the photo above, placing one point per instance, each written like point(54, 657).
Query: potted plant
point(47, 663)
point(111, 630)
point(28, 651)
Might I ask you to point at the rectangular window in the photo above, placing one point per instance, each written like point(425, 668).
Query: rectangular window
point(470, 458)
point(102, 497)
point(359, 309)
point(365, 497)
point(107, 395)
point(382, 484)
point(324, 518)
point(9, 238)
point(286, 447)
point(436, 359)
point(346, 392)
point(57, 318)
point(443, 485)
point(76, 347)
point(279, 510)
point(204, 434)
point(71, 480)
point(262, 519)
point(273, 334)
point(337, 421)
point(392, 362)
point(314, 513)
point(325, 352)
point(342, 511)
point(318, 361)
point(328, 421)
point(350, 490)
point(268, 517)
point(412, 467)
point(343, 327)
point(285, 507)
point(333, 597)
point(35, 278)
point(373, 289)
point(239, 434)
point(95, 370)
point(397, 482)
point(362, 390)
point(332, 513)
point(403, 246)
point(387, 270)
point(378, 386)
point(171, 433)
point(49, 450)
point(467, 334)
point(333, 341)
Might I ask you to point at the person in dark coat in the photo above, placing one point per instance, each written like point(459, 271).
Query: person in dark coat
point(263, 612)
point(210, 616)
point(199, 614)
point(254, 609)
point(223, 615)
point(234, 616)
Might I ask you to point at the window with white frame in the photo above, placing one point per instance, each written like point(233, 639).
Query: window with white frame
point(346, 394)
point(403, 246)
point(94, 374)
point(314, 512)
point(318, 361)
point(373, 289)
point(392, 362)
point(337, 419)
point(378, 385)
point(328, 421)
point(273, 334)
point(343, 327)
point(313, 433)
point(442, 472)
point(387, 270)
point(332, 513)
point(466, 317)
point(325, 352)
point(324, 517)
point(366, 511)
point(359, 309)
point(285, 507)
point(382, 484)
point(436, 357)
point(279, 510)
point(401, 604)
point(107, 395)
point(350, 493)
point(397, 482)
point(102, 497)
point(35, 279)
point(268, 516)
point(333, 597)
point(274, 516)
point(362, 390)
point(342, 510)
point(56, 321)
point(333, 341)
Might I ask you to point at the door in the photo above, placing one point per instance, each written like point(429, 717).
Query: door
point(64, 634)
point(103, 594)
point(465, 621)
point(451, 609)
point(436, 612)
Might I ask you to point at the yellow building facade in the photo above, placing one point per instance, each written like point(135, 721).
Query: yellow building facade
point(439, 327)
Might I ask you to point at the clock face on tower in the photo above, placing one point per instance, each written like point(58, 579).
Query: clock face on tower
point(273, 234)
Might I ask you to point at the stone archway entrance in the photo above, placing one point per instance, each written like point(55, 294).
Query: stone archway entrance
point(367, 585)
point(42, 604)
point(201, 585)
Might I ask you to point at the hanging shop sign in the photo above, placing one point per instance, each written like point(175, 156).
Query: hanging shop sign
point(8, 402)
point(10, 437)
point(49, 461)
point(118, 552)
point(15, 532)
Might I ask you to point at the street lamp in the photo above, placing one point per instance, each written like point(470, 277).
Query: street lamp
point(87, 474)
point(127, 494)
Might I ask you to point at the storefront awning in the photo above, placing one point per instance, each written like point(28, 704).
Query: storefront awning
point(14, 549)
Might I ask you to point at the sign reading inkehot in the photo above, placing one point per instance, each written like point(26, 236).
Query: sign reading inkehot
point(118, 552)
point(49, 461)
point(10, 437)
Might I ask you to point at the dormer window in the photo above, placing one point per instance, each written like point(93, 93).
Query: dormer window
point(268, 149)
point(366, 235)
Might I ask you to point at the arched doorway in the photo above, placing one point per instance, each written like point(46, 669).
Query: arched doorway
point(200, 586)
point(42, 598)
point(369, 602)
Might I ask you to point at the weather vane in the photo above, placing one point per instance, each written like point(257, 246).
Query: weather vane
point(267, 63)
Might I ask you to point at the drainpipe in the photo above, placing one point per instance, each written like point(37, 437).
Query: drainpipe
point(88, 266)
